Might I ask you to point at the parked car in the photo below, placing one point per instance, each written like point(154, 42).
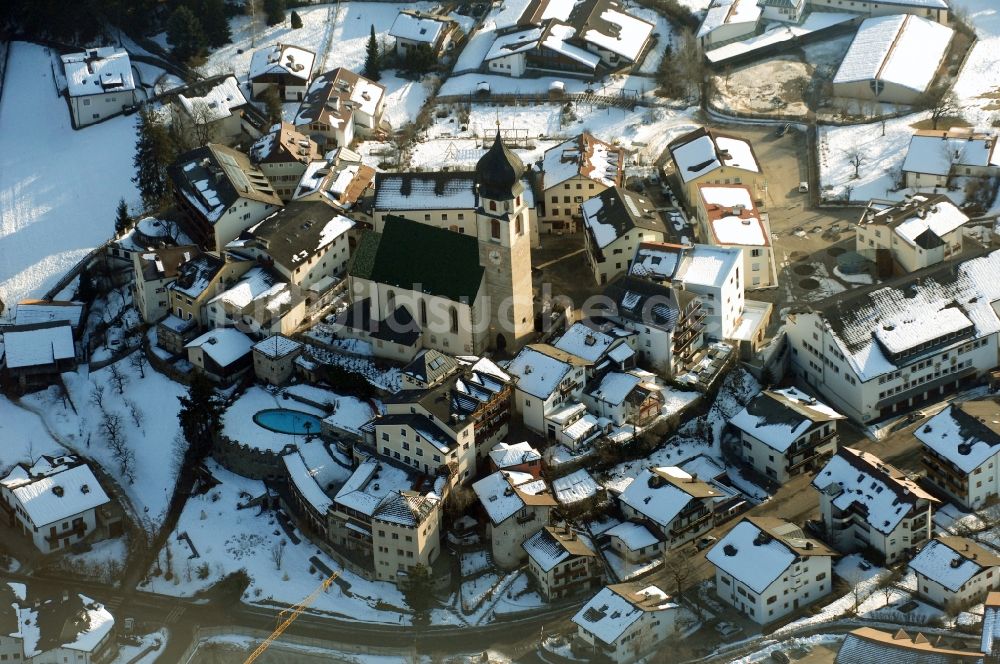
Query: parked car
point(706, 542)
point(779, 657)
point(803, 187)
point(782, 129)
point(728, 629)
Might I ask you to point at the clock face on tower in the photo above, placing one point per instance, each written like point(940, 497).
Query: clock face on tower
point(495, 257)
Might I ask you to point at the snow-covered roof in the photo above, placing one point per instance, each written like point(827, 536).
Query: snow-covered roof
point(32, 312)
point(937, 152)
point(372, 482)
point(661, 494)
point(513, 42)
point(99, 624)
point(612, 611)
point(614, 387)
point(225, 345)
point(38, 345)
point(727, 12)
point(555, 38)
point(618, 32)
point(634, 536)
point(884, 495)
point(54, 496)
point(733, 216)
point(967, 434)
point(424, 191)
point(98, 71)
point(216, 103)
point(418, 27)
point(552, 546)
point(902, 49)
point(753, 555)
point(282, 59)
point(277, 346)
point(307, 468)
point(575, 487)
point(697, 264)
point(903, 308)
point(505, 455)
point(778, 417)
point(583, 156)
point(991, 624)
point(538, 374)
point(504, 493)
point(585, 342)
point(940, 219)
point(704, 150)
point(952, 561)
point(615, 212)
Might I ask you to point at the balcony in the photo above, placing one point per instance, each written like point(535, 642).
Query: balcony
point(77, 531)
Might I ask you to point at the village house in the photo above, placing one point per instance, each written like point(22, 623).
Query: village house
point(307, 243)
point(33, 312)
point(868, 505)
point(727, 21)
point(935, 157)
point(339, 106)
point(597, 348)
point(447, 429)
point(35, 355)
point(679, 506)
point(260, 304)
point(787, 11)
point(428, 369)
point(562, 562)
point(706, 156)
point(630, 397)
point(936, 10)
point(283, 66)
point(893, 59)
point(340, 180)
point(223, 354)
point(545, 379)
point(99, 84)
point(395, 336)
point(712, 273)
point(209, 111)
point(274, 359)
point(616, 221)
point(517, 505)
point(153, 272)
point(41, 628)
point(585, 39)
point(518, 457)
point(960, 448)
point(730, 218)
point(624, 623)
point(574, 172)
point(56, 502)
point(220, 193)
point(667, 324)
point(766, 568)
point(633, 549)
point(919, 232)
point(786, 432)
point(871, 353)
point(283, 155)
point(415, 29)
point(955, 572)
point(387, 515)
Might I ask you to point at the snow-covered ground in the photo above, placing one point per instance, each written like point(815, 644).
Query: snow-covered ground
point(229, 539)
point(151, 440)
point(238, 423)
point(58, 187)
point(881, 158)
point(24, 437)
point(978, 86)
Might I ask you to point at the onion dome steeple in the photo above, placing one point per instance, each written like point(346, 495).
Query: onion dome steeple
point(499, 172)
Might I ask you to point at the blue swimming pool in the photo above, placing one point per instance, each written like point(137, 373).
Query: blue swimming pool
point(283, 420)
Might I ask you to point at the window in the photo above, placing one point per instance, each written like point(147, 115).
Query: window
point(495, 227)
point(493, 205)
point(517, 224)
point(423, 313)
point(454, 320)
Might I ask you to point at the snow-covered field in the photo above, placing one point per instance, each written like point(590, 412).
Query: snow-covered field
point(229, 539)
point(58, 187)
point(978, 85)
point(24, 436)
point(151, 440)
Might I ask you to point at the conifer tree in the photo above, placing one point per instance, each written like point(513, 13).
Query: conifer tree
point(122, 220)
point(372, 58)
point(185, 34)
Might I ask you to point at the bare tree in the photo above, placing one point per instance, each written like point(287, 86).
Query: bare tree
point(678, 567)
point(857, 158)
point(887, 582)
point(942, 103)
point(97, 395)
point(278, 553)
point(137, 361)
point(136, 412)
point(118, 378)
point(113, 430)
point(854, 579)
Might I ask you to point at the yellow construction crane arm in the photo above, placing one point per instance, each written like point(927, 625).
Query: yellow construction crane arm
point(296, 610)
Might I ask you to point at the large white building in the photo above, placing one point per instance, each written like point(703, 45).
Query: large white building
point(715, 274)
point(623, 623)
point(545, 379)
point(961, 451)
point(871, 352)
point(99, 84)
point(518, 506)
point(786, 432)
point(616, 222)
point(55, 502)
point(729, 218)
point(285, 67)
point(955, 572)
point(767, 568)
point(867, 504)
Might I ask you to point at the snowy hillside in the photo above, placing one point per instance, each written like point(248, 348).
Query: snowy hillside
point(58, 187)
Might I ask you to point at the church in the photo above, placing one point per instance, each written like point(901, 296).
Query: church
point(448, 263)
